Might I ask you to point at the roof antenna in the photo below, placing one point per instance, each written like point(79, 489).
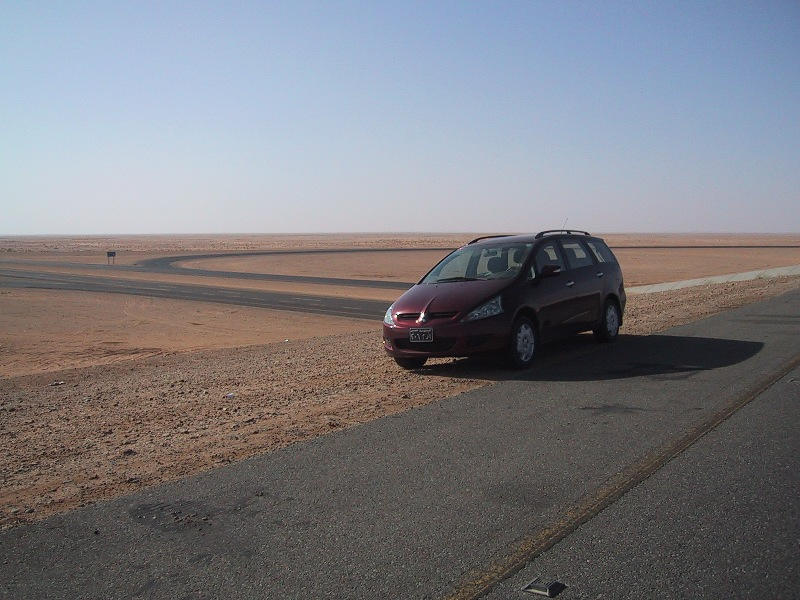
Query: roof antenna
point(564, 226)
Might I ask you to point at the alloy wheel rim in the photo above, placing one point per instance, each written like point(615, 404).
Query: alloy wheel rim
point(612, 320)
point(525, 342)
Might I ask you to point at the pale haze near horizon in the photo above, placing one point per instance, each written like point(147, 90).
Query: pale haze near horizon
point(346, 117)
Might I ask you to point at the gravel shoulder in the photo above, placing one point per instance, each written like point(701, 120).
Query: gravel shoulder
point(109, 430)
point(53, 330)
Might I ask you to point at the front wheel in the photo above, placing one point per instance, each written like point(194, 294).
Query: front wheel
point(411, 363)
point(608, 329)
point(523, 344)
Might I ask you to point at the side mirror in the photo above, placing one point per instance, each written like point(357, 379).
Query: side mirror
point(549, 271)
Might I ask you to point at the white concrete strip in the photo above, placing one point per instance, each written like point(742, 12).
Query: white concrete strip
point(746, 276)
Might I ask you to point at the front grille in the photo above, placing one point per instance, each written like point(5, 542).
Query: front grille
point(442, 315)
point(408, 316)
point(440, 345)
point(428, 316)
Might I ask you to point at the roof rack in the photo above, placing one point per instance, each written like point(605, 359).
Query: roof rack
point(567, 231)
point(487, 237)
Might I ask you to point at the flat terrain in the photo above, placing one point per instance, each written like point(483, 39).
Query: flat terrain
point(146, 379)
point(47, 330)
point(160, 245)
point(652, 258)
point(95, 247)
point(640, 265)
point(437, 501)
point(223, 282)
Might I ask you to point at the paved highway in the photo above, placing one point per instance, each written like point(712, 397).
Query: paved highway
point(166, 264)
point(722, 520)
point(323, 305)
point(646, 455)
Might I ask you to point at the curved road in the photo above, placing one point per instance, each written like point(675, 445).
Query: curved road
point(20, 277)
point(323, 305)
point(293, 301)
point(166, 265)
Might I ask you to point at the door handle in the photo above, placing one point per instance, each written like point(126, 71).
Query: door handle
point(600, 273)
point(570, 283)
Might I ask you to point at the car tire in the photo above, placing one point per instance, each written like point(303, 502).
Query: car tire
point(523, 344)
point(411, 363)
point(608, 329)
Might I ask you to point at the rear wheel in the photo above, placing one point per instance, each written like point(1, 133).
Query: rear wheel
point(608, 329)
point(523, 344)
point(410, 363)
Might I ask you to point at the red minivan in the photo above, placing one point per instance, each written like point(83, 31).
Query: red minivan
point(506, 294)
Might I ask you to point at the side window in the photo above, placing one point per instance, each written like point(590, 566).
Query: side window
point(602, 252)
point(548, 254)
point(577, 255)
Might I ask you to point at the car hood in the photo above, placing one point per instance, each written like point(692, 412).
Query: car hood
point(454, 296)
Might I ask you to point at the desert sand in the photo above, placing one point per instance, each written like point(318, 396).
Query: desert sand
point(44, 330)
point(194, 244)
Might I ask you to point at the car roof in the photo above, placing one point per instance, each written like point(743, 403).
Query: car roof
point(529, 238)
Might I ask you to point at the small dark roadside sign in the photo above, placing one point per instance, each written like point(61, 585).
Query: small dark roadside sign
point(110, 257)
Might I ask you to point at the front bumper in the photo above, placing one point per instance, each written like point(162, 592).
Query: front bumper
point(450, 338)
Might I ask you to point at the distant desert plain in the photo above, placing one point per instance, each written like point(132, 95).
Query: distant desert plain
point(103, 393)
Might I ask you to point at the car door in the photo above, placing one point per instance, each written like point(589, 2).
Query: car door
point(585, 284)
point(550, 296)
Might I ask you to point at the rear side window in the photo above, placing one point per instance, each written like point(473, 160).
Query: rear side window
point(577, 255)
point(602, 252)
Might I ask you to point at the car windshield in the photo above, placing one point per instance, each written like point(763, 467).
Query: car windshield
point(471, 263)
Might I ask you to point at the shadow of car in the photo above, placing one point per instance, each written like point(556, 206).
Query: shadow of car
point(666, 357)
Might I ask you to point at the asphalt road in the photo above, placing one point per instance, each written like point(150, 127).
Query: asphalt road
point(166, 265)
point(722, 520)
point(324, 305)
point(436, 502)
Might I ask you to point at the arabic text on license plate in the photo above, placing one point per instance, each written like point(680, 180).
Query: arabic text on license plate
point(421, 335)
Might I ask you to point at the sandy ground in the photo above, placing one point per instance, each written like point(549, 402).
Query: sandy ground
point(640, 266)
point(42, 330)
point(112, 429)
point(645, 266)
point(159, 245)
point(187, 244)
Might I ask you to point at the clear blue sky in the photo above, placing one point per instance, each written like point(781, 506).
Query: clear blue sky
point(398, 116)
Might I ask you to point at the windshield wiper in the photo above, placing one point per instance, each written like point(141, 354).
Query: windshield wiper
point(445, 279)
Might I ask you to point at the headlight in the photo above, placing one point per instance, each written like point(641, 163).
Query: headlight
point(387, 318)
point(487, 309)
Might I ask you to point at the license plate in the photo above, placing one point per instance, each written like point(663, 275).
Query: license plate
point(420, 335)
